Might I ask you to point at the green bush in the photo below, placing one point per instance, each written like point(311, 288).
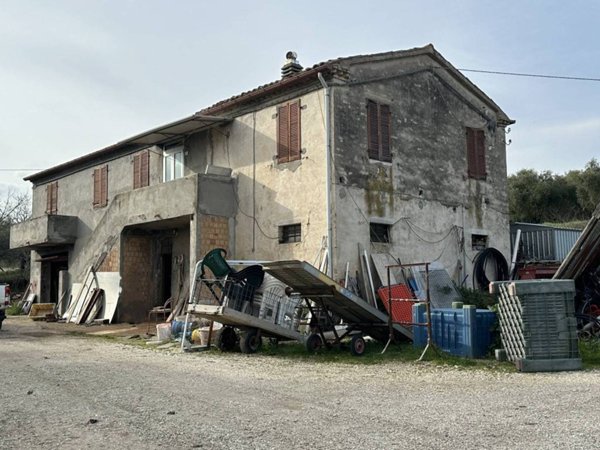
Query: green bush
point(18, 279)
point(481, 300)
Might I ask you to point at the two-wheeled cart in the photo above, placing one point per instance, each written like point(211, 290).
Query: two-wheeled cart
point(327, 302)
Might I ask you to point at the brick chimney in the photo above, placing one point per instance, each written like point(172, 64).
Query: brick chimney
point(291, 66)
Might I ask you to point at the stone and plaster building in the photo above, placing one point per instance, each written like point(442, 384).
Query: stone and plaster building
point(397, 151)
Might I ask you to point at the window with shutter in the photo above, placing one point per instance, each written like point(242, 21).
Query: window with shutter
point(100, 187)
point(378, 131)
point(52, 198)
point(141, 170)
point(289, 146)
point(476, 153)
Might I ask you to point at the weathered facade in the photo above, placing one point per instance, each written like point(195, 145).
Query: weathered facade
point(416, 168)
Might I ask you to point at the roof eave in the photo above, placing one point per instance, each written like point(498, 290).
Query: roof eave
point(148, 138)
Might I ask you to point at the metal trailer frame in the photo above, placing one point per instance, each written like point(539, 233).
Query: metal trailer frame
point(230, 315)
point(427, 323)
point(322, 294)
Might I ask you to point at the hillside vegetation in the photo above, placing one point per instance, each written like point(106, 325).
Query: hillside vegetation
point(546, 197)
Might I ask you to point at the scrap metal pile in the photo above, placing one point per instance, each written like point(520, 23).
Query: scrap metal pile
point(582, 265)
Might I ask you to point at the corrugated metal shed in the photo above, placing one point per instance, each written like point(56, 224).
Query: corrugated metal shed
point(542, 242)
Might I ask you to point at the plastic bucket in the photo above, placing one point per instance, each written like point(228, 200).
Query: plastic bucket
point(177, 327)
point(163, 332)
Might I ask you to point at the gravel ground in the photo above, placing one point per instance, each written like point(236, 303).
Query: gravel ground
point(73, 392)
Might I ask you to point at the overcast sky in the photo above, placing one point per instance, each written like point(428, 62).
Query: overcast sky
point(76, 76)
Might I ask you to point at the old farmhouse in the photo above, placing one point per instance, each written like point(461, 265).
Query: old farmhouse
point(398, 152)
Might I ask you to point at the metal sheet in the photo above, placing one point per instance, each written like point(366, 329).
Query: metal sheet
point(110, 283)
point(544, 243)
point(442, 290)
point(229, 316)
point(189, 125)
point(311, 283)
point(585, 254)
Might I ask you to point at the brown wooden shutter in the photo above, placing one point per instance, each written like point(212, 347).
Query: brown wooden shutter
point(145, 169)
point(104, 186)
point(373, 129)
point(471, 158)
point(141, 169)
point(97, 187)
point(49, 199)
point(137, 171)
point(384, 125)
point(283, 133)
point(480, 154)
point(294, 131)
point(54, 199)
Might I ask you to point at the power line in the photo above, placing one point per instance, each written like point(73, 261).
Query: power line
point(531, 75)
point(18, 170)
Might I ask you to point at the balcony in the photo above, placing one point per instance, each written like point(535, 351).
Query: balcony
point(44, 231)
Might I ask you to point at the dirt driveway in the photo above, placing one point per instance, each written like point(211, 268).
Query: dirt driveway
point(63, 391)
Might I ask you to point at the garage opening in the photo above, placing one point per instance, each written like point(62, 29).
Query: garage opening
point(152, 260)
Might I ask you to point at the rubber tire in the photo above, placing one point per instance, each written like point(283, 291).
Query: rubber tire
point(227, 339)
point(250, 341)
point(358, 345)
point(313, 343)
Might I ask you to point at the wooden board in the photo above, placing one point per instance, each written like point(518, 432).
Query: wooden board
point(380, 262)
point(40, 310)
point(365, 286)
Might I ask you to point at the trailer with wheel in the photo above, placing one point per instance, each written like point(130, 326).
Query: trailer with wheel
point(327, 302)
point(249, 305)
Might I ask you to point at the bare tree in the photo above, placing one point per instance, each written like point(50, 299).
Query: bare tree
point(14, 208)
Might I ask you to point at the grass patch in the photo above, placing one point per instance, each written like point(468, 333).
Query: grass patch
point(404, 352)
point(13, 309)
point(590, 354)
point(294, 351)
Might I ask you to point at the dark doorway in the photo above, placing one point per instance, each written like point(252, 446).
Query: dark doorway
point(167, 265)
point(51, 266)
point(55, 268)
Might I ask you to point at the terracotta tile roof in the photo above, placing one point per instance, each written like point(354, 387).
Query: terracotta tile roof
point(327, 67)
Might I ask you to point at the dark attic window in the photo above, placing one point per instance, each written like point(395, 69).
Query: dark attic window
point(380, 232)
point(290, 233)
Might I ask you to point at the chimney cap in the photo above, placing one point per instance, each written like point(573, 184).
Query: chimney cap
point(291, 65)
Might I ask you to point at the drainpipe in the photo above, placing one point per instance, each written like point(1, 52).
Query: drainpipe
point(328, 174)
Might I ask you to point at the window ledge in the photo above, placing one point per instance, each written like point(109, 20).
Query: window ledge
point(378, 161)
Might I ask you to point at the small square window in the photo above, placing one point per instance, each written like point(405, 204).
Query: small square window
point(478, 242)
point(290, 233)
point(380, 232)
